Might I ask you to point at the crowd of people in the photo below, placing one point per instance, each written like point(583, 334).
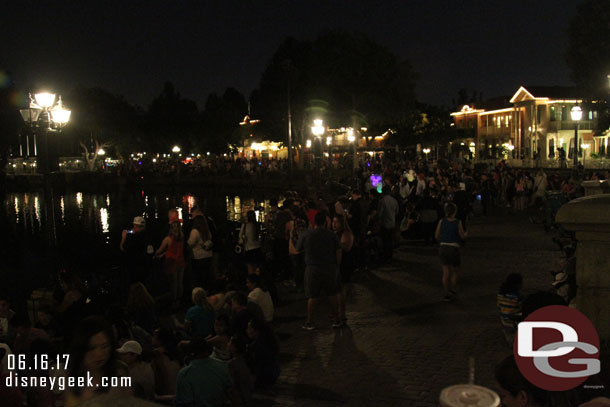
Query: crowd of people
point(209, 339)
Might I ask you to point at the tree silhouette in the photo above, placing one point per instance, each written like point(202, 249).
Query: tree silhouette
point(10, 121)
point(588, 52)
point(220, 121)
point(170, 120)
point(345, 78)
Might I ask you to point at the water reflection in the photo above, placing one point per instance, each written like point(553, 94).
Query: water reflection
point(237, 208)
point(104, 220)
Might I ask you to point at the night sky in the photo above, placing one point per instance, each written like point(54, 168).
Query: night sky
point(132, 47)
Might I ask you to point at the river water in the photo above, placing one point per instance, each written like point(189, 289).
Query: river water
point(81, 231)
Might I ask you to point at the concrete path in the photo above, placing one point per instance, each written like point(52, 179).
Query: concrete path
point(403, 343)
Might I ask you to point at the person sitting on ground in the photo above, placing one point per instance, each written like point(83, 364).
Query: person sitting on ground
point(262, 354)
point(240, 372)
point(165, 362)
point(141, 307)
point(7, 334)
point(45, 320)
point(509, 301)
point(73, 303)
point(450, 234)
point(217, 298)
point(10, 395)
point(220, 340)
point(259, 296)
point(204, 381)
point(141, 373)
point(515, 390)
point(91, 351)
point(242, 313)
point(199, 319)
point(25, 333)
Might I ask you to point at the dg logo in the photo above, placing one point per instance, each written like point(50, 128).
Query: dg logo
point(557, 348)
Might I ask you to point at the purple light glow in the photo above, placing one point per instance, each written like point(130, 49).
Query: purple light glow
point(375, 179)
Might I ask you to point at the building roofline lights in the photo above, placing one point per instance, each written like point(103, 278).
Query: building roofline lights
point(467, 110)
point(508, 109)
point(564, 101)
point(513, 99)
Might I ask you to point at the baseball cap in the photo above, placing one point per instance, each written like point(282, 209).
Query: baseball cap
point(139, 221)
point(130, 347)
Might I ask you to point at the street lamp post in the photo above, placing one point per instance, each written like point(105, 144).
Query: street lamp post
point(584, 147)
point(426, 151)
point(47, 114)
point(352, 139)
point(576, 114)
point(318, 131)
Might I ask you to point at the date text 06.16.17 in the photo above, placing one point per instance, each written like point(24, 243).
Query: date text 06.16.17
point(38, 362)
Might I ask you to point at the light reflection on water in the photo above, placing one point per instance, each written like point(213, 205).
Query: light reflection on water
point(92, 213)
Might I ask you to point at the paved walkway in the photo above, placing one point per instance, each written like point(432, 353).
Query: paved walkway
point(403, 344)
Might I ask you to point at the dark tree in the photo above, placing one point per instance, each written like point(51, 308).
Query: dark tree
point(588, 53)
point(346, 79)
point(220, 121)
point(101, 119)
point(10, 120)
point(170, 120)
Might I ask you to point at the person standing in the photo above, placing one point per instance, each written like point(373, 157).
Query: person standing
point(450, 233)
point(249, 236)
point(387, 211)
point(172, 247)
point(135, 244)
point(322, 259)
point(200, 242)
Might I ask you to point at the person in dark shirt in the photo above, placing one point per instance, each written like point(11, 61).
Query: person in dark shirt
point(138, 255)
point(322, 259)
point(281, 260)
point(242, 314)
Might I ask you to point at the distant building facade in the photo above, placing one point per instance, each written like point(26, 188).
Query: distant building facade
point(534, 124)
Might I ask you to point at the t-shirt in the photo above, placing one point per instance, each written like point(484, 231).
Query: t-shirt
point(142, 380)
point(264, 301)
point(202, 321)
point(320, 246)
point(201, 249)
point(279, 225)
point(202, 383)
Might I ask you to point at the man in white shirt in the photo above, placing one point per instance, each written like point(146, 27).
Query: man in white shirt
point(260, 297)
point(141, 373)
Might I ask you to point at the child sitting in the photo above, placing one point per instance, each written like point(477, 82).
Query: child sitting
point(509, 302)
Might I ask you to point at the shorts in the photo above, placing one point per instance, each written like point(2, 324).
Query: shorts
point(450, 256)
point(321, 281)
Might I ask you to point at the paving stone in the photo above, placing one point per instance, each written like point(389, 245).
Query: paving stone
point(403, 344)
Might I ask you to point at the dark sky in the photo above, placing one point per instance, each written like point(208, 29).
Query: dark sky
point(132, 47)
